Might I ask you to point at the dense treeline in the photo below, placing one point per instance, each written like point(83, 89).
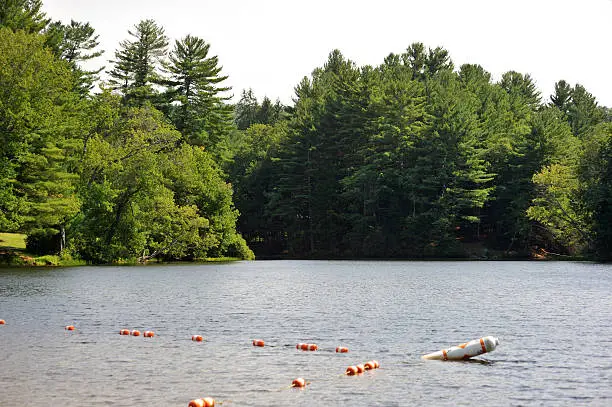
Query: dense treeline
point(132, 172)
point(412, 158)
point(415, 158)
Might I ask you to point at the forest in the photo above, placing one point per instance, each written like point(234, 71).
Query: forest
point(413, 158)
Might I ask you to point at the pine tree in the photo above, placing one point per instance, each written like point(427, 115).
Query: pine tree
point(76, 43)
point(246, 110)
point(562, 96)
point(40, 138)
point(202, 115)
point(137, 64)
point(584, 113)
point(23, 15)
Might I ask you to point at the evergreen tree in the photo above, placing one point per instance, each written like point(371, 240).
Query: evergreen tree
point(249, 111)
point(23, 15)
point(521, 89)
point(253, 174)
point(377, 190)
point(595, 175)
point(316, 157)
point(202, 115)
point(40, 139)
point(580, 107)
point(562, 96)
point(426, 63)
point(137, 64)
point(584, 113)
point(246, 110)
point(76, 43)
point(452, 175)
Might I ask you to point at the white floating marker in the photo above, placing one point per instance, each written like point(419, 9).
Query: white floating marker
point(465, 350)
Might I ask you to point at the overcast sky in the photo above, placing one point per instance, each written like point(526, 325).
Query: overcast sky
point(269, 45)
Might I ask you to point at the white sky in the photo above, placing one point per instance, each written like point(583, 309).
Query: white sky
point(269, 45)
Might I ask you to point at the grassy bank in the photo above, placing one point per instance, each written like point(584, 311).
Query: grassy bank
point(12, 241)
point(13, 253)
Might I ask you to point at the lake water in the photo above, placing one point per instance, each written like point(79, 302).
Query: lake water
point(554, 322)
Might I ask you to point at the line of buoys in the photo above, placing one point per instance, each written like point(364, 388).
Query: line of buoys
point(258, 342)
point(135, 332)
point(197, 338)
point(203, 402)
point(70, 328)
point(341, 349)
point(360, 368)
point(307, 346)
point(2, 322)
point(465, 350)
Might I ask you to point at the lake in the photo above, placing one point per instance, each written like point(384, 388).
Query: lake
point(553, 319)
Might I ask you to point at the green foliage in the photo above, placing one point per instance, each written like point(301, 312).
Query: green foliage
point(23, 15)
point(562, 98)
point(558, 207)
point(144, 197)
point(39, 129)
point(425, 65)
point(248, 111)
point(521, 90)
point(253, 174)
point(596, 178)
point(579, 106)
point(75, 43)
point(411, 158)
point(138, 63)
point(195, 98)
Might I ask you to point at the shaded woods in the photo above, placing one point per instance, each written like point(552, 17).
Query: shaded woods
point(409, 159)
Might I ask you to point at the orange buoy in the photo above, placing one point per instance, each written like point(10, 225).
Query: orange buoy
point(351, 370)
point(258, 342)
point(148, 334)
point(299, 382)
point(376, 364)
point(196, 403)
point(299, 345)
point(307, 346)
point(369, 365)
point(135, 332)
point(2, 322)
point(124, 332)
point(205, 402)
point(70, 328)
point(341, 349)
point(312, 346)
point(360, 368)
point(197, 338)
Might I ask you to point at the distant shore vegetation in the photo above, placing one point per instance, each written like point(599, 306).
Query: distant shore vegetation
point(413, 158)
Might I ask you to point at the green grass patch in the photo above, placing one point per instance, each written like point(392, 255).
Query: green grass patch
point(14, 241)
point(12, 253)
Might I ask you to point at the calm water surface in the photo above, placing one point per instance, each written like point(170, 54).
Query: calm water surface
point(554, 321)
